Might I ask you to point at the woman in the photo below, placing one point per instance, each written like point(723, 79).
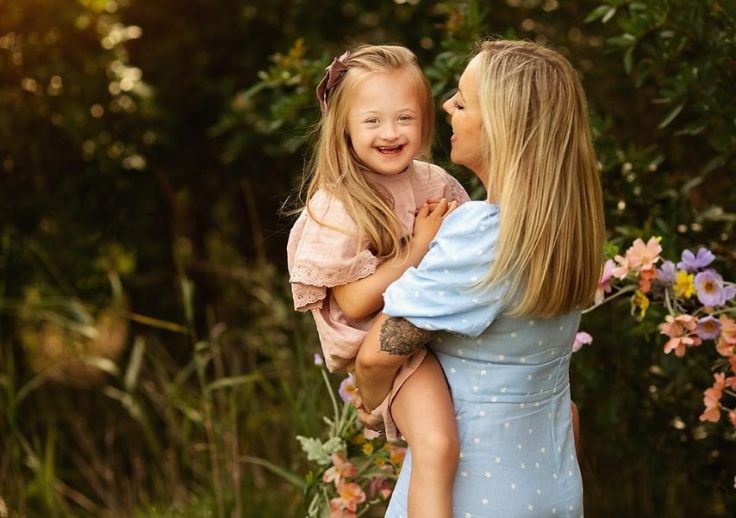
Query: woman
point(498, 296)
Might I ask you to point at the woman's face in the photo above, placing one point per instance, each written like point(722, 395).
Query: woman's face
point(464, 111)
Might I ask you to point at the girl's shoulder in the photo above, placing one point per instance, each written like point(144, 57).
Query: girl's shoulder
point(326, 207)
point(429, 174)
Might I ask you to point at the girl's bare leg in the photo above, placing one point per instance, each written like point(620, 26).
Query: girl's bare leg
point(425, 415)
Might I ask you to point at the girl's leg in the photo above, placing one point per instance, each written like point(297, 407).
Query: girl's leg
point(424, 413)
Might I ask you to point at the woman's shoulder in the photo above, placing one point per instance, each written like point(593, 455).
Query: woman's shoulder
point(472, 217)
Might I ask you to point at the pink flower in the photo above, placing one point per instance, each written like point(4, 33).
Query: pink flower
point(341, 468)
point(712, 398)
point(727, 341)
point(642, 255)
point(370, 434)
point(338, 511)
point(379, 486)
point(582, 338)
point(348, 389)
point(622, 270)
point(604, 283)
point(350, 495)
point(682, 333)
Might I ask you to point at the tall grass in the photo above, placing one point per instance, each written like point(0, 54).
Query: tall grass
point(176, 424)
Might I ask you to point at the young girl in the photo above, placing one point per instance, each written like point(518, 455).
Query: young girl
point(371, 211)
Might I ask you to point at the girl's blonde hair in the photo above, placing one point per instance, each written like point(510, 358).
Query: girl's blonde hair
point(336, 169)
point(543, 173)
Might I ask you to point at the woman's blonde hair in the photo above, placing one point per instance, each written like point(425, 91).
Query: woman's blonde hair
point(336, 169)
point(543, 173)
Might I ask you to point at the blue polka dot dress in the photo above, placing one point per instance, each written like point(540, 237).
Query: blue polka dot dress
point(508, 378)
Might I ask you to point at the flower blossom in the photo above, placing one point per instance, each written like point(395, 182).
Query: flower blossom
point(681, 331)
point(644, 255)
point(726, 345)
point(684, 287)
point(379, 487)
point(318, 360)
point(666, 274)
point(341, 469)
point(694, 262)
point(582, 338)
point(604, 283)
point(646, 275)
point(712, 398)
point(348, 389)
point(711, 290)
point(350, 495)
point(708, 328)
point(641, 301)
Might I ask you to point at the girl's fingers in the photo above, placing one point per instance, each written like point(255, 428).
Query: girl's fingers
point(423, 211)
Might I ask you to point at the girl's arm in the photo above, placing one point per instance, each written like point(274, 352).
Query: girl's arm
point(365, 296)
point(385, 348)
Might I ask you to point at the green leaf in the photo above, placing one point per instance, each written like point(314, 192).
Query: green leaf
point(600, 12)
point(674, 112)
point(287, 475)
point(628, 59)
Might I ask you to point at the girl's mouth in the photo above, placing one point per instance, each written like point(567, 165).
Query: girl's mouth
point(390, 150)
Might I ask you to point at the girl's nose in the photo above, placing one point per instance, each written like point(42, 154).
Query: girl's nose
point(389, 131)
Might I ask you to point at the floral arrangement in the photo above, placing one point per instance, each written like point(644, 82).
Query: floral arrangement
point(699, 307)
point(356, 468)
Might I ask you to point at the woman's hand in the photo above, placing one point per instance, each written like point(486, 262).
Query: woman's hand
point(429, 218)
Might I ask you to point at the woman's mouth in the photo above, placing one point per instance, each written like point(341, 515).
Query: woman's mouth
point(453, 138)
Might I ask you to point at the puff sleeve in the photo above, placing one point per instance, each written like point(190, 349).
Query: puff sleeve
point(323, 251)
point(441, 293)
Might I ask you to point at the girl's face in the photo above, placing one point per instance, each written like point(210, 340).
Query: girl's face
point(385, 121)
point(464, 111)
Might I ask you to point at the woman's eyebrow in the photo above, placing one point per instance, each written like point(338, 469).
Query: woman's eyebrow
point(460, 93)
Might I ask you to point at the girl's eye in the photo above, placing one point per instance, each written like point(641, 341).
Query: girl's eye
point(405, 118)
point(371, 121)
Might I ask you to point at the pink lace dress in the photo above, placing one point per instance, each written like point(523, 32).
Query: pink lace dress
point(321, 256)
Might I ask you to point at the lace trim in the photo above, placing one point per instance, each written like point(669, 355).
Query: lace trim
point(309, 285)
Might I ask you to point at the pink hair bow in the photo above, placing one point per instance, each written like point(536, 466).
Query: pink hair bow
point(333, 74)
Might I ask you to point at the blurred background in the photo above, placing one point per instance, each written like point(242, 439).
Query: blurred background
point(151, 363)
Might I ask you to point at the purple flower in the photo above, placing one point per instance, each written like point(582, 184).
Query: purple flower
point(666, 274)
point(582, 338)
point(710, 289)
point(694, 262)
point(318, 360)
point(348, 388)
point(708, 328)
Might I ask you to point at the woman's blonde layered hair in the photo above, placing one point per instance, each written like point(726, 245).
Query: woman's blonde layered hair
point(336, 169)
point(543, 173)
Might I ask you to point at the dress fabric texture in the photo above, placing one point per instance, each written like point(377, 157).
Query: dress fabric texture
point(323, 252)
point(508, 378)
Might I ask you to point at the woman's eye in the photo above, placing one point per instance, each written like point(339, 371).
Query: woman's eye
point(457, 105)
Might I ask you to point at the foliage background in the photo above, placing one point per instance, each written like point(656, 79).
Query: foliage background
point(150, 362)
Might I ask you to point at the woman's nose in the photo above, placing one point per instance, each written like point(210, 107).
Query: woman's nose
point(447, 106)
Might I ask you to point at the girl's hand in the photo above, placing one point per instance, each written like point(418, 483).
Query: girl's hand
point(429, 218)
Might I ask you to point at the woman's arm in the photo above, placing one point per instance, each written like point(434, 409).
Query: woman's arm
point(388, 342)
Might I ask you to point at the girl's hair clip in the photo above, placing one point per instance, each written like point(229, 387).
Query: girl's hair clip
point(333, 74)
